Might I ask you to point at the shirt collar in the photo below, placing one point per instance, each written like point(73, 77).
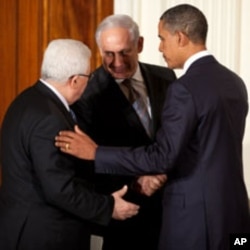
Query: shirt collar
point(55, 91)
point(194, 58)
point(138, 75)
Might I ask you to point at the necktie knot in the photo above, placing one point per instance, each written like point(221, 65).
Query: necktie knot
point(129, 90)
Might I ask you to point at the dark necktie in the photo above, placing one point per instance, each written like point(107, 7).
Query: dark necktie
point(138, 103)
point(73, 115)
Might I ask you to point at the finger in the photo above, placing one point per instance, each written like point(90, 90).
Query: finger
point(134, 209)
point(131, 214)
point(67, 151)
point(67, 133)
point(161, 180)
point(155, 182)
point(162, 177)
point(63, 139)
point(133, 206)
point(123, 191)
point(60, 144)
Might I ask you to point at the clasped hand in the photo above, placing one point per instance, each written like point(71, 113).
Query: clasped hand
point(149, 184)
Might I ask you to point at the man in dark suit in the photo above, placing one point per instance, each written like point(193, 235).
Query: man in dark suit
point(105, 113)
point(199, 145)
point(47, 200)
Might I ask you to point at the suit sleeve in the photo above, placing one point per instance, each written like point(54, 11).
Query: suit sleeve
point(178, 122)
point(61, 181)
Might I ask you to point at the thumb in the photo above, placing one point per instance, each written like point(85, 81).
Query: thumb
point(122, 191)
point(78, 130)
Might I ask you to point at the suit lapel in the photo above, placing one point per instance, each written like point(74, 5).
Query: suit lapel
point(122, 103)
point(151, 80)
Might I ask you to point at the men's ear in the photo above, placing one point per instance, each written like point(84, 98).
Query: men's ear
point(140, 44)
point(72, 81)
point(182, 39)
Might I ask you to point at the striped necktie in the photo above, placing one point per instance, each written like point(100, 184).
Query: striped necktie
point(139, 104)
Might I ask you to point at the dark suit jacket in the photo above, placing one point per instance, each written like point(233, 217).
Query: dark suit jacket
point(107, 116)
point(199, 146)
point(46, 199)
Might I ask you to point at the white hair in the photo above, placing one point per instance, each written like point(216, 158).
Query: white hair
point(64, 58)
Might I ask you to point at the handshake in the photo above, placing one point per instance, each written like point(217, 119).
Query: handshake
point(80, 145)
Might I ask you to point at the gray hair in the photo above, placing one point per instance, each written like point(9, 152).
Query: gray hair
point(64, 58)
point(188, 20)
point(121, 21)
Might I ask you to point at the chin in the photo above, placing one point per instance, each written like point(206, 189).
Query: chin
point(118, 76)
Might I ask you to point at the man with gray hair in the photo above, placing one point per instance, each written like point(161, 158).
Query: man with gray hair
point(107, 114)
point(47, 200)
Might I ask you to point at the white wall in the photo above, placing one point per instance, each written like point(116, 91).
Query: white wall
point(228, 38)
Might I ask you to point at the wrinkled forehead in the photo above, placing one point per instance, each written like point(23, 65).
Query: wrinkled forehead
point(115, 39)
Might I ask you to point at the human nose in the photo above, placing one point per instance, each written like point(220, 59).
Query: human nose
point(160, 48)
point(118, 59)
